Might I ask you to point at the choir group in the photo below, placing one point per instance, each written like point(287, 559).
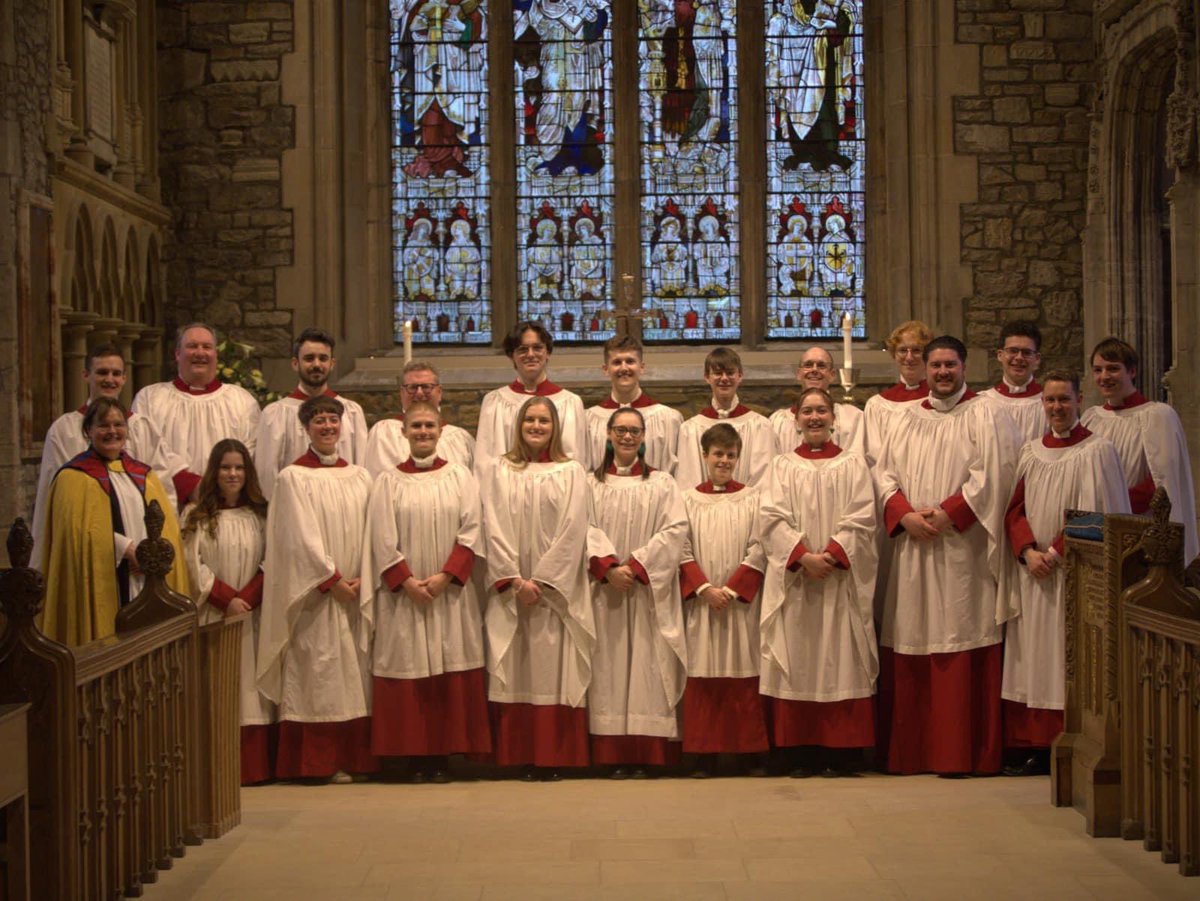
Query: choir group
point(615, 586)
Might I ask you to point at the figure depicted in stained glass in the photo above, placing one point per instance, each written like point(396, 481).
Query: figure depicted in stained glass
point(544, 259)
point(711, 252)
point(795, 252)
point(694, 72)
point(810, 74)
point(587, 255)
point(441, 71)
point(560, 58)
point(420, 257)
point(463, 260)
point(669, 258)
point(836, 252)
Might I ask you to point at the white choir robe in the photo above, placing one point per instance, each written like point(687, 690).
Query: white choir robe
point(882, 410)
point(849, 429)
point(1024, 407)
point(941, 595)
point(640, 663)
point(498, 416)
point(314, 651)
point(819, 658)
point(429, 693)
point(281, 437)
point(65, 441)
point(222, 566)
point(387, 447)
point(722, 710)
point(191, 422)
point(1154, 454)
point(661, 438)
point(1080, 472)
point(539, 657)
point(758, 446)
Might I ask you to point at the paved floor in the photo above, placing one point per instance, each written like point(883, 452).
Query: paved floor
point(752, 839)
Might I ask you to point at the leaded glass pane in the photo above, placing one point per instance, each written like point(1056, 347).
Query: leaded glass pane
point(441, 229)
point(816, 167)
point(565, 187)
point(687, 61)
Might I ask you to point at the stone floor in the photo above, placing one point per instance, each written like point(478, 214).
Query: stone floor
point(751, 839)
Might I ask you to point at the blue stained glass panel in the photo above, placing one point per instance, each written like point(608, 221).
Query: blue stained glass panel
point(816, 168)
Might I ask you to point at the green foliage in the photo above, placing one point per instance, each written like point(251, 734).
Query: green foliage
point(234, 367)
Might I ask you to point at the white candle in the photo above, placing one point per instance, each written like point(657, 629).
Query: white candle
point(407, 341)
point(847, 325)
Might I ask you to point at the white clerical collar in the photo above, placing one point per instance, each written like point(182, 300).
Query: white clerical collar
point(946, 404)
point(1067, 433)
point(720, 488)
point(425, 462)
point(912, 387)
point(725, 414)
point(626, 403)
point(1014, 387)
point(326, 459)
point(626, 470)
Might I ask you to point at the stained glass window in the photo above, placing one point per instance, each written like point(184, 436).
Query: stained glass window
point(816, 167)
point(565, 186)
point(441, 230)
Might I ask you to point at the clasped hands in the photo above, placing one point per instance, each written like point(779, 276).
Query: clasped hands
point(926, 524)
point(1040, 563)
point(424, 591)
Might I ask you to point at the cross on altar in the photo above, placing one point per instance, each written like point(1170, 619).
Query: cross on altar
point(625, 310)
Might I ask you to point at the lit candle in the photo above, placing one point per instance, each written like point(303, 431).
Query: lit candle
point(407, 341)
point(847, 325)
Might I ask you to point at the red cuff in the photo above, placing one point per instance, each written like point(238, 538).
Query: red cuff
point(330, 582)
point(839, 554)
point(599, 567)
point(1140, 495)
point(251, 592)
point(959, 511)
point(459, 564)
point(746, 581)
point(896, 508)
point(502, 585)
point(395, 575)
point(185, 483)
point(639, 571)
point(221, 595)
point(1016, 525)
point(798, 551)
point(691, 577)
point(1058, 545)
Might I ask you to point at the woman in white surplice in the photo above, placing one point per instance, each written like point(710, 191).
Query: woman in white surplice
point(540, 629)
point(224, 541)
point(820, 660)
point(314, 644)
point(425, 534)
point(640, 663)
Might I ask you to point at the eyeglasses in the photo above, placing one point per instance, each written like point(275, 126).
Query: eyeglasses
point(527, 350)
point(909, 351)
point(815, 364)
point(627, 431)
point(422, 386)
point(1022, 352)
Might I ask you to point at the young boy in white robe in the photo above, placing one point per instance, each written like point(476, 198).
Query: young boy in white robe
point(1018, 392)
point(1148, 436)
point(720, 580)
point(1067, 468)
point(820, 660)
point(224, 540)
point(529, 347)
point(424, 528)
point(723, 373)
point(639, 665)
point(540, 628)
point(314, 644)
point(386, 445)
point(623, 366)
point(815, 370)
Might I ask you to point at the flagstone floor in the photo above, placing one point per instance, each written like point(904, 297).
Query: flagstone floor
point(737, 838)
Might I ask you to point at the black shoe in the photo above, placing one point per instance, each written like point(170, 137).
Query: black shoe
point(619, 773)
point(440, 777)
point(529, 774)
point(830, 773)
point(701, 772)
point(417, 777)
point(549, 774)
point(801, 772)
point(954, 775)
point(1033, 765)
point(641, 772)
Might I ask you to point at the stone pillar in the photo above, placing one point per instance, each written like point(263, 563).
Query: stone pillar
point(76, 327)
point(104, 331)
point(127, 338)
point(147, 352)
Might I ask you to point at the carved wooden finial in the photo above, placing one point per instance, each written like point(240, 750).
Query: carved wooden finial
point(20, 544)
point(1160, 543)
point(155, 555)
point(21, 588)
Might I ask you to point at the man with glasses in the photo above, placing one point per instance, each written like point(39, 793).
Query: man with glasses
point(529, 346)
point(387, 446)
point(816, 371)
point(1018, 392)
point(281, 437)
point(906, 344)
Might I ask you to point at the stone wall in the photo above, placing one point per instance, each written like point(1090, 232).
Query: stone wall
point(1028, 127)
point(223, 131)
point(25, 106)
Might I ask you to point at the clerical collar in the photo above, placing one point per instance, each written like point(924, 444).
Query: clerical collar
point(946, 404)
point(1133, 400)
point(183, 386)
point(729, 487)
point(826, 451)
point(1078, 433)
point(1067, 433)
point(311, 459)
point(421, 464)
point(733, 412)
point(299, 394)
point(1009, 389)
point(634, 470)
point(544, 388)
point(425, 462)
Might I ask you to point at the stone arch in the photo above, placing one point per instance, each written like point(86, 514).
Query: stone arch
point(109, 280)
point(79, 271)
point(131, 278)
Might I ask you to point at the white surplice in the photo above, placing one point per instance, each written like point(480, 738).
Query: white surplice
point(818, 637)
point(661, 438)
point(849, 429)
point(881, 411)
point(192, 422)
point(640, 663)
point(758, 447)
point(1150, 442)
point(314, 651)
point(1024, 410)
point(1083, 476)
point(498, 414)
point(233, 555)
point(536, 524)
point(723, 535)
point(387, 447)
point(418, 519)
point(941, 595)
point(281, 437)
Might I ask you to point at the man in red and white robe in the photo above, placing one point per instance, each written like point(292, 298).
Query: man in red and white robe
point(1018, 392)
point(849, 428)
point(906, 344)
point(387, 443)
